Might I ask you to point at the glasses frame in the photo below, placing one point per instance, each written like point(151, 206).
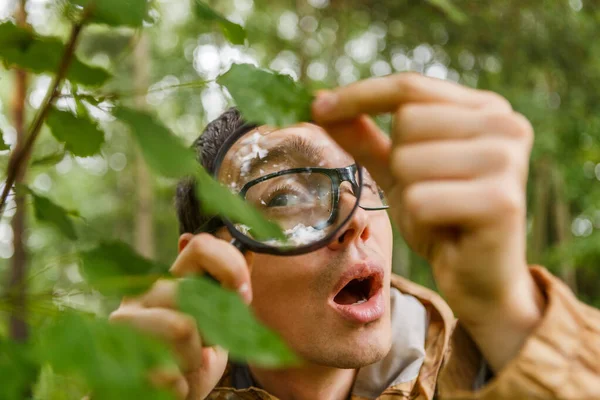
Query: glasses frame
point(336, 176)
point(242, 242)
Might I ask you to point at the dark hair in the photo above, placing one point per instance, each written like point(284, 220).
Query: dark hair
point(206, 146)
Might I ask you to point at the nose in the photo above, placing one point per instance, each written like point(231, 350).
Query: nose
point(356, 229)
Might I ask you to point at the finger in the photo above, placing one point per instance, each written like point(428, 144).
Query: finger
point(170, 380)
point(207, 254)
point(162, 294)
point(454, 160)
point(385, 94)
point(424, 122)
point(370, 147)
point(174, 327)
point(466, 203)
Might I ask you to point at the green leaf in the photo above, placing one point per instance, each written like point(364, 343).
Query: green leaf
point(455, 14)
point(113, 359)
point(232, 31)
point(166, 155)
point(47, 211)
point(48, 160)
point(116, 12)
point(17, 369)
point(114, 268)
point(162, 150)
point(225, 320)
point(266, 97)
point(3, 145)
point(81, 135)
point(217, 199)
point(39, 54)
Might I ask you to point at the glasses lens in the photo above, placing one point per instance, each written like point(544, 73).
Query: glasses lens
point(288, 175)
point(371, 195)
point(301, 203)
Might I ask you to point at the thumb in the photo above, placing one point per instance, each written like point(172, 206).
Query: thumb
point(370, 147)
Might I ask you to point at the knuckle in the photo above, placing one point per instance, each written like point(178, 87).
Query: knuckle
point(507, 200)
point(398, 163)
point(183, 329)
point(500, 155)
point(494, 119)
point(407, 83)
point(200, 242)
point(497, 102)
point(523, 127)
point(412, 202)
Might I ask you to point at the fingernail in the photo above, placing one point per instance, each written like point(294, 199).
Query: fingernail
point(325, 103)
point(244, 290)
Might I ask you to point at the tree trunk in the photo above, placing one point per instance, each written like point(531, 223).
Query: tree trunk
point(144, 228)
point(541, 205)
point(562, 224)
point(17, 288)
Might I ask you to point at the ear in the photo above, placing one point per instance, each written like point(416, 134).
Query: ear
point(184, 239)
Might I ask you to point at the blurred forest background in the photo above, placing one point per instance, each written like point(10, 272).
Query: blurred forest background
point(544, 56)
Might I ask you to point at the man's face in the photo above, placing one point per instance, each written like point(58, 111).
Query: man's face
point(331, 305)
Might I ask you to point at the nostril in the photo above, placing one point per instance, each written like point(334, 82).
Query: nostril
point(344, 235)
point(365, 234)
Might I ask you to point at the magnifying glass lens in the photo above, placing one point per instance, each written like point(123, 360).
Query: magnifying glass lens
point(296, 177)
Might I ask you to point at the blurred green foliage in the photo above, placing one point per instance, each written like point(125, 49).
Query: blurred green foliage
point(543, 56)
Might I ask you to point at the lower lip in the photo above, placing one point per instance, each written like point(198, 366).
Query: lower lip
point(369, 311)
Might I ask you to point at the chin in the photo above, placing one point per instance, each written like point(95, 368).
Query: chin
point(353, 351)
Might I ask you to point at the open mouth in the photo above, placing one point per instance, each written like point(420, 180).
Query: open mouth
point(358, 295)
point(357, 291)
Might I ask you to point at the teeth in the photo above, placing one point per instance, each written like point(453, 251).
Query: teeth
point(361, 301)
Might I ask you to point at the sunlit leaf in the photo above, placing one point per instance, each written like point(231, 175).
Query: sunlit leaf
point(166, 155)
point(225, 320)
point(453, 12)
point(116, 12)
point(47, 211)
point(19, 47)
point(81, 135)
point(18, 369)
point(114, 360)
point(3, 145)
point(266, 97)
point(114, 268)
point(232, 31)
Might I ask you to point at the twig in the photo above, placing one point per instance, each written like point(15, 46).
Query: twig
point(20, 157)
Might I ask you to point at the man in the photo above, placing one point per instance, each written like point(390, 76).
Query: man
point(454, 174)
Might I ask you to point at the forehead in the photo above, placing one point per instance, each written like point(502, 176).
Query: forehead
point(279, 149)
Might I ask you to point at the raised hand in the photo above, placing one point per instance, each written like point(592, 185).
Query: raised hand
point(155, 312)
point(454, 172)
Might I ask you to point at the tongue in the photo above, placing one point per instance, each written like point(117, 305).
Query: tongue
point(346, 297)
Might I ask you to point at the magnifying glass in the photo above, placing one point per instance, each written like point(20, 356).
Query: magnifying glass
point(293, 177)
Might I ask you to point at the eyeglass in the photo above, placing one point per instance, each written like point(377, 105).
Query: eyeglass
point(307, 196)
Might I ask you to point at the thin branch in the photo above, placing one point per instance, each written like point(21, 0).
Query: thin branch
point(19, 158)
point(17, 288)
point(135, 93)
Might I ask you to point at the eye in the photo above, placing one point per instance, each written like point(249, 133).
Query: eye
point(285, 196)
point(283, 200)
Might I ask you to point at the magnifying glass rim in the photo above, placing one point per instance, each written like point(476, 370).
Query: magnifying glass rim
point(256, 246)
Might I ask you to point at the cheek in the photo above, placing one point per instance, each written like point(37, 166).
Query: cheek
point(381, 231)
point(284, 286)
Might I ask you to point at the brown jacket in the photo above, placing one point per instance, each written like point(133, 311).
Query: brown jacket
point(560, 360)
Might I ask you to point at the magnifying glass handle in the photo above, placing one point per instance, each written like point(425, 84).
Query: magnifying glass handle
point(239, 245)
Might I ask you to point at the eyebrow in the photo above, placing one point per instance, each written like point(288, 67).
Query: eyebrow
point(298, 145)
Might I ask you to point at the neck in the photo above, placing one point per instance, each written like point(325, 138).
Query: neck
point(310, 382)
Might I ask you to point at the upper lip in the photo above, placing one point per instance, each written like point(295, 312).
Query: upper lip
point(361, 270)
